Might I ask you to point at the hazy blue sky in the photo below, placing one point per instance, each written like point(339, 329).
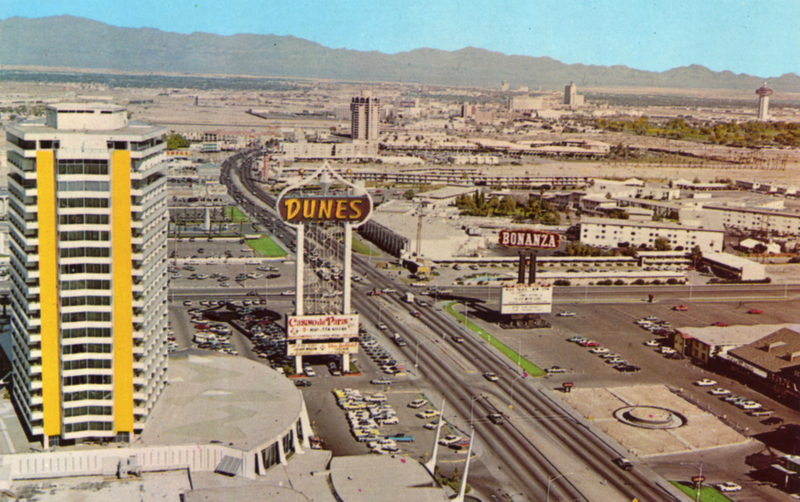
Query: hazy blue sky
point(756, 37)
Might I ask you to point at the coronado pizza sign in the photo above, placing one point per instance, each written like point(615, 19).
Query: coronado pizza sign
point(529, 239)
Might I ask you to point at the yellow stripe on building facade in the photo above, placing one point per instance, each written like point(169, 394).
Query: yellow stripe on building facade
point(122, 290)
point(48, 292)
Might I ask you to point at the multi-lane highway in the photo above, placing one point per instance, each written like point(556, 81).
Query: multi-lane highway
point(517, 446)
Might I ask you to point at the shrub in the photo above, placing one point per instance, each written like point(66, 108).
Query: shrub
point(656, 282)
point(604, 282)
point(672, 281)
point(561, 282)
point(638, 282)
point(619, 282)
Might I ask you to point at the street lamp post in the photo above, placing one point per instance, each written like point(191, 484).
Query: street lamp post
point(699, 476)
point(416, 353)
point(511, 398)
point(550, 480)
point(472, 408)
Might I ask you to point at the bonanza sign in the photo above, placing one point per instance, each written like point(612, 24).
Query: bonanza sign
point(344, 209)
point(529, 239)
point(310, 327)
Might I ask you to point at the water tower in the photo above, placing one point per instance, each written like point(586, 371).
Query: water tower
point(764, 93)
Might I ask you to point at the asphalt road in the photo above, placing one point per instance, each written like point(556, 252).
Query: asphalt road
point(511, 446)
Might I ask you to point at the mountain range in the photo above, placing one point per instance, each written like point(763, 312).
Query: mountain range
point(73, 42)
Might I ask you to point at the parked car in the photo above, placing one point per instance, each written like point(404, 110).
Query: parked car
point(705, 382)
point(719, 391)
point(721, 324)
point(380, 381)
point(491, 377)
point(419, 403)
point(566, 313)
point(652, 343)
point(755, 311)
point(680, 308)
point(556, 369)
point(728, 487)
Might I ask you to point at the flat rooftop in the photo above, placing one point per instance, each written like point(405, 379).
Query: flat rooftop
point(233, 400)
point(383, 478)
point(736, 335)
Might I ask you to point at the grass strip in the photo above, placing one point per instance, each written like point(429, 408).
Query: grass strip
point(361, 248)
point(235, 214)
point(265, 246)
point(707, 493)
point(516, 358)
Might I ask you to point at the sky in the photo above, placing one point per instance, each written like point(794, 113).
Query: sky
point(755, 37)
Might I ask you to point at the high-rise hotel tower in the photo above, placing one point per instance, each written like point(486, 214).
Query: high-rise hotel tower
point(88, 239)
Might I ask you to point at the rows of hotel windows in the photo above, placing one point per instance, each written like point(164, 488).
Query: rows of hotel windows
point(78, 202)
point(83, 235)
point(88, 426)
point(87, 395)
point(82, 364)
point(87, 410)
point(85, 252)
point(86, 333)
point(86, 268)
point(83, 219)
point(83, 166)
point(88, 284)
point(77, 301)
point(87, 379)
point(83, 186)
point(86, 317)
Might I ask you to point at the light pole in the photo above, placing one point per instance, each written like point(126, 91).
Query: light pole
point(472, 408)
point(416, 353)
point(550, 480)
point(511, 398)
point(699, 476)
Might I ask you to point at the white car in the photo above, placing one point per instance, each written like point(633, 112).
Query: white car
point(428, 414)
point(449, 439)
point(749, 405)
point(719, 391)
point(651, 318)
point(556, 369)
point(599, 350)
point(728, 487)
point(187, 303)
point(652, 343)
point(566, 313)
point(706, 383)
point(491, 377)
point(431, 426)
point(668, 350)
point(388, 290)
point(287, 293)
point(309, 371)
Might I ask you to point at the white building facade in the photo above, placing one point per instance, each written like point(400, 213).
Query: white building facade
point(611, 232)
point(88, 241)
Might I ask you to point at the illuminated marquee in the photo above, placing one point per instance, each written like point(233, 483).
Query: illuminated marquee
point(353, 209)
point(529, 239)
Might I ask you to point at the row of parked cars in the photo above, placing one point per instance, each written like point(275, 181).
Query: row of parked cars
point(382, 358)
point(210, 335)
point(616, 360)
point(366, 414)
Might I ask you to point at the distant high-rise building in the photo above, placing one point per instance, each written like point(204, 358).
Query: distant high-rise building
point(764, 93)
point(570, 91)
point(88, 215)
point(365, 116)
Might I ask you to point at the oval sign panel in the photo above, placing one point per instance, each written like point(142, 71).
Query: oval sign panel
point(318, 209)
point(529, 239)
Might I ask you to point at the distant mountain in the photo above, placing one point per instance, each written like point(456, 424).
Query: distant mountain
point(73, 42)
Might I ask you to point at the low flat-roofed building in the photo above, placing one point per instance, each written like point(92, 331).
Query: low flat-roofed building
point(383, 479)
point(703, 343)
point(775, 359)
point(611, 232)
point(444, 196)
point(735, 266)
